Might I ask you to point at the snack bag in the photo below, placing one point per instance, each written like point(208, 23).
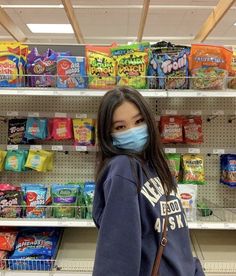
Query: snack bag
point(89, 188)
point(193, 169)
point(188, 196)
point(42, 69)
point(232, 72)
point(15, 160)
point(71, 72)
point(101, 67)
point(174, 164)
point(81, 203)
point(209, 65)
point(16, 131)
point(193, 130)
point(3, 257)
point(84, 131)
point(10, 202)
point(64, 200)
point(228, 169)
point(36, 128)
point(171, 129)
point(39, 160)
point(7, 239)
point(2, 159)
point(35, 197)
point(62, 129)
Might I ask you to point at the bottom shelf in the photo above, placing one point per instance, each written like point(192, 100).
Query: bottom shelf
point(216, 250)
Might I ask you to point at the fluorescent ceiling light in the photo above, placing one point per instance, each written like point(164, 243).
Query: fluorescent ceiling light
point(235, 24)
point(51, 28)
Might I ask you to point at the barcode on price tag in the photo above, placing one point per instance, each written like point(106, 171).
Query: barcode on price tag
point(218, 151)
point(35, 147)
point(81, 148)
point(33, 114)
point(57, 148)
point(193, 150)
point(12, 147)
point(81, 115)
point(170, 150)
point(60, 115)
point(12, 113)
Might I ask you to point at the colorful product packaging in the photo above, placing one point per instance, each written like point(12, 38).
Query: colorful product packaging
point(36, 128)
point(62, 129)
point(192, 127)
point(89, 188)
point(16, 131)
point(15, 160)
point(10, 203)
point(40, 160)
point(84, 132)
point(71, 72)
point(228, 169)
point(188, 196)
point(171, 129)
point(2, 159)
point(174, 164)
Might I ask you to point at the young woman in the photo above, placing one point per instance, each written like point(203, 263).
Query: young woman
point(135, 194)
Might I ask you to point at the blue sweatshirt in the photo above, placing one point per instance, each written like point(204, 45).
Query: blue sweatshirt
point(130, 225)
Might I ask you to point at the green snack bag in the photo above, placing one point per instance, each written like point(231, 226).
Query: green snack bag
point(174, 164)
point(81, 204)
point(89, 188)
point(64, 200)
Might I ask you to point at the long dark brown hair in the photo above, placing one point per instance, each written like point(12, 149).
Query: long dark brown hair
point(153, 150)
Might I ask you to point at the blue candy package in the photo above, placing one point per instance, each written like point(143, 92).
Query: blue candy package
point(36, 128)
point(228, 169)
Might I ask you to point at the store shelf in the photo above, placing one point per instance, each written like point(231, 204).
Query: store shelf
point(185, 93)
point(216, 250)
point(50, 147)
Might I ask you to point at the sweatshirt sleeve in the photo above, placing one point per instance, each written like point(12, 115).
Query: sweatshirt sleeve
point(118, 250)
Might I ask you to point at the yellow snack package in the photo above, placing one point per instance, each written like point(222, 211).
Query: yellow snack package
point(84, 131)
point(39, 160)
point(193, 169)
point(2, 159)
point(132, 69)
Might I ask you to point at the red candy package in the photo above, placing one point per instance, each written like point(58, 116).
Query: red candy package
point(171, 129)
point(62, 129)
point(3, 257)
point(7, 240)
point(193, 130)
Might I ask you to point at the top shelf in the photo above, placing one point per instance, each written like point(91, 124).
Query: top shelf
point(149, 93)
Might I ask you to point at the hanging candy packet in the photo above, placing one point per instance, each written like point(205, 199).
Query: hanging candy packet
point(193, 169)
point(84, 132)
point(62, 129)
point(39, 160)
point(2, 159)
point(174, 164)
point(15, 160)
point(36, 128)
point(171, 129)
point(193, 130)
point(16, 131)
point(228, 169)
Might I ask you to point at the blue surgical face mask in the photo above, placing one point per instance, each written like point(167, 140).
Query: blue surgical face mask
point(132, 139)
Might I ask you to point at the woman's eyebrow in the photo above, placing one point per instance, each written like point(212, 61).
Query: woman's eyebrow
point(118, 121)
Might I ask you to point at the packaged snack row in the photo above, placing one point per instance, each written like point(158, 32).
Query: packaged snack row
point(187, 168)
point(28, 248)
point(162, 65)
point(41, 201)
point(27, 130)
point(23, 160)
point(180, 129)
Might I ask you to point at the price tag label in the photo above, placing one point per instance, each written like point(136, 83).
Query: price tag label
point(193, 150)
point(35, 147)
point(196, 112)
point(12, 147)
point(60, 115)
point(81, 148)
point(170, 150)
point(81, 115)
point(57, 148)
point(12, 113)
point(171, 112)
point(33, 114)
point(229, 226)
point(218, 112)
point(218, 151)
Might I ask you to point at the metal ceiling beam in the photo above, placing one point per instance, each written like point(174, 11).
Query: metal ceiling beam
point(143, 19)
point(73, 20)
point(216, 15)
point(11, 27)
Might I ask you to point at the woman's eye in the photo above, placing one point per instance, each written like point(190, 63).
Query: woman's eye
point(119, 127)
point(139, 121)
